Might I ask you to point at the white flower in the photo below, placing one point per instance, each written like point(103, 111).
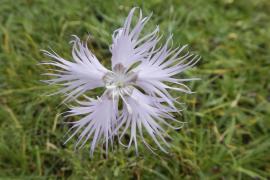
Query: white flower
point(136, 94)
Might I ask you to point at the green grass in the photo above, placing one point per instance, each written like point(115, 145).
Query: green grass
point(228, 130)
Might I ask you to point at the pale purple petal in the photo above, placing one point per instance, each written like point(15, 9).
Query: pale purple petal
point(147, 114)
point(97, 123)
point(158, 73)
point(128, 47)
point(77, 77)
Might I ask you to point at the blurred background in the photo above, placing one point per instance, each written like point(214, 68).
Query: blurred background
point(228, 130)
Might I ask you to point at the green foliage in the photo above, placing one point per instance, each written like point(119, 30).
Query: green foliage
point(228, 130)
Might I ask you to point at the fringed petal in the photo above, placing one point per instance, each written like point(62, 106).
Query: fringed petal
point(158, 73)
point(142, 112)
point(98, 123)
point(77, 77)
point(128, 47)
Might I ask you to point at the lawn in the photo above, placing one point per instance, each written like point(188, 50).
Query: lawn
point(228, 131)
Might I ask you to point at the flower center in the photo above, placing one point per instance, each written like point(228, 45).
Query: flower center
point(119, 81)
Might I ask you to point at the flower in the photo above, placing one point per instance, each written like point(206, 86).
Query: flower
point(136, 94)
